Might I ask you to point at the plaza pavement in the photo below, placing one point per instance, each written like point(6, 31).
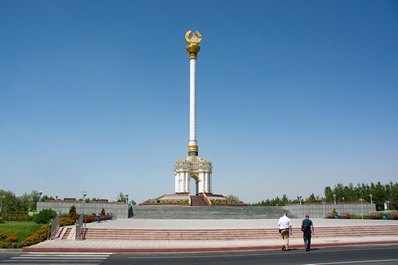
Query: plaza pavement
point(214, 245)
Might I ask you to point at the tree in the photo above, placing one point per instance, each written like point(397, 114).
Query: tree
point(393, 196)
point(285, 200)
point(312, 198)
point(9, 202)
point(45, 215)
point(328, 194)
point(122, 197)
point(72, 212)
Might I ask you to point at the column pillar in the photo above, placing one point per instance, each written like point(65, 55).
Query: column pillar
point(193, 39)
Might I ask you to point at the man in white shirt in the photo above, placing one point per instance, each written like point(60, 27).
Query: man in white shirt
point(285, 228)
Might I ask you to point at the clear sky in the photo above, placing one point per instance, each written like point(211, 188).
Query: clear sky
point(292, 96)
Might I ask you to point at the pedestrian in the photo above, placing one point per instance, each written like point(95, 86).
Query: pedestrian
point(285, 229)
point(308, 230)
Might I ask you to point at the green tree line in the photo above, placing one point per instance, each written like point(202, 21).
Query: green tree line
point(377, 193)
point(10, 203)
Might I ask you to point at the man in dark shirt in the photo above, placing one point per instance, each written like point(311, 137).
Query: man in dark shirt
point(308, 229)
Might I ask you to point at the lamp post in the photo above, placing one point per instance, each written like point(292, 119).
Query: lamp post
point(58, 208)
point(334, 198)
point(1, 204)
point(371, 198)
point(84, 203)
point(299, 198)
point(127, 198)
point(38, 200)
point(361, 200)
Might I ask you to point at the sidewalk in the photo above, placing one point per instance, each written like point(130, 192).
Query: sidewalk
point(212, 245)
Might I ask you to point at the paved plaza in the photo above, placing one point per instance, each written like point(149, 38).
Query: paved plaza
point(215, 245)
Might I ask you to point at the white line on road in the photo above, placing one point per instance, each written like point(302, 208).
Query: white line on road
point(357, 261)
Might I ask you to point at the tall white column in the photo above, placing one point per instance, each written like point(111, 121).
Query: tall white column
point(192, 110)
point(193, 39)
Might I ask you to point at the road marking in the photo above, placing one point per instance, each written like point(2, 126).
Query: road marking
point(356, 261)
point(40, 258)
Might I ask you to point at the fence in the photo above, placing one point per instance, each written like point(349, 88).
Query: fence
point(321, 210)
point(119, 210)
point(79, 227)
point(55, 224)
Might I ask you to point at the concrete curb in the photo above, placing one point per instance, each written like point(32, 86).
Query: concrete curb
point(202, 249)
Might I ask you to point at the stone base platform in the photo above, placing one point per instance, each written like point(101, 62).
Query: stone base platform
point(149, 235)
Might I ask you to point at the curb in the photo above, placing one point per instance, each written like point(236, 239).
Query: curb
point(200, 249)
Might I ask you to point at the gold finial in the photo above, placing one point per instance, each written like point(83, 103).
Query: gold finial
point(193, 39)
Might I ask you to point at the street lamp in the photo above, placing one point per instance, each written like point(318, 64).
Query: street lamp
point(127, 198)
point(361, 200)
point(58, 208)
point(371, 198)
point(334, 198)
point(39, 193)
point(1, 203)
point(84, 202)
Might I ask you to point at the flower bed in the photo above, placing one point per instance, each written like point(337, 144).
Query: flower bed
point(345, 215)
point(8, 241)
point(64, 220)
point(166, 202)
point(93, 218)
point(40, 236)
point(393, 216)
point(375, 215)
point(331, 215)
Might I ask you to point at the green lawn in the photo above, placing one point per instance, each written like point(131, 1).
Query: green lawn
point(21, 229)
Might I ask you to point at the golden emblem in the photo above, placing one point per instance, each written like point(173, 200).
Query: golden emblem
point(193, 38)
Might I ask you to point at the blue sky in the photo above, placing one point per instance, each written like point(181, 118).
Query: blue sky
point(292, 96)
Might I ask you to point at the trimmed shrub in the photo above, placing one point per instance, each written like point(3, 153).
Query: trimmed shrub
point(45, 215)
point(64, 221)
point(17, 217)
point(72, 213)
point(103, 211)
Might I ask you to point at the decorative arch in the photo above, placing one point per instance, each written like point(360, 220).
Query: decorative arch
point(193, 167)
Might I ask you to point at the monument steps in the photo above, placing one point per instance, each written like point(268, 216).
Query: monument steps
point(67, 233)
point(232, 234)
point(199, 200)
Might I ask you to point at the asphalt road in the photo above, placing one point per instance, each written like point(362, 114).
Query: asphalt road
point(384, 255)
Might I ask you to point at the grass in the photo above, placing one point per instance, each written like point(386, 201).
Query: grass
point(21, 229)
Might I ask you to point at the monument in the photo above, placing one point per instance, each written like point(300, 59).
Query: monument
point(193, 166)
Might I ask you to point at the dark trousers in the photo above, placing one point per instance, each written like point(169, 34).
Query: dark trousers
point(307, 241)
